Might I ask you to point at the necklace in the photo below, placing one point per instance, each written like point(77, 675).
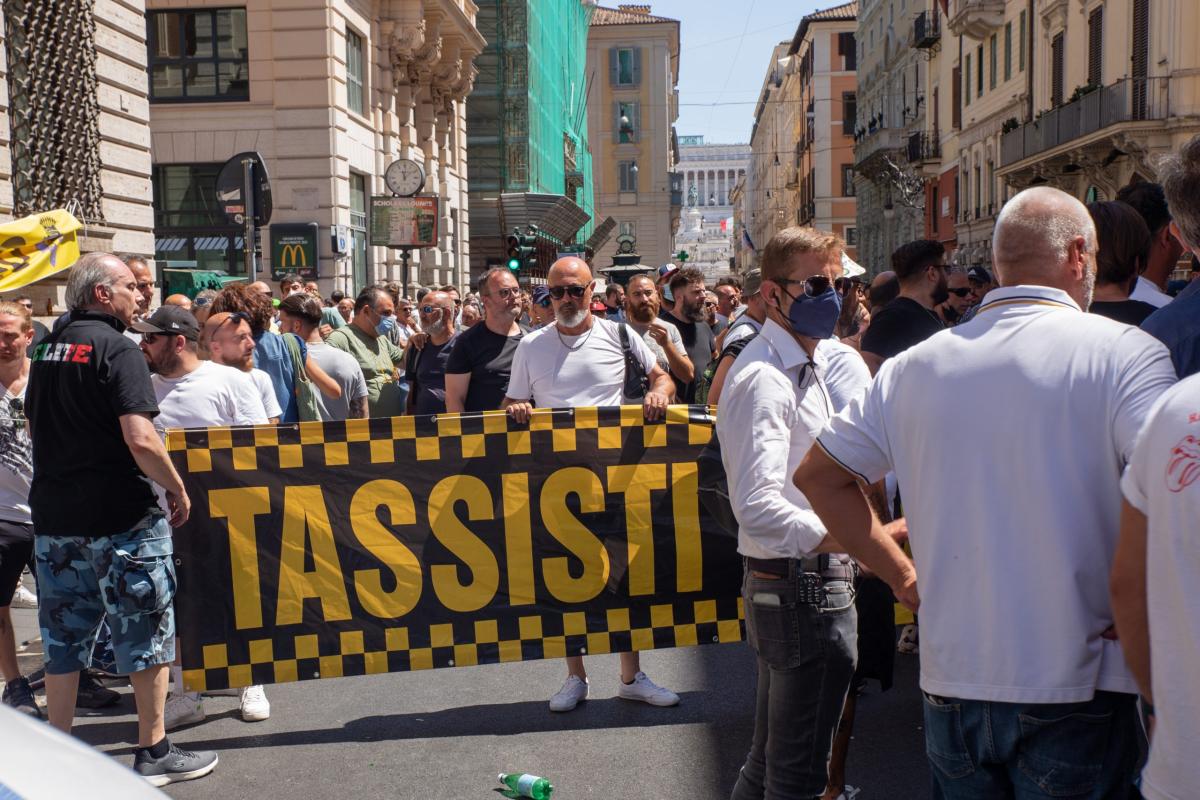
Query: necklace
point(578, 344)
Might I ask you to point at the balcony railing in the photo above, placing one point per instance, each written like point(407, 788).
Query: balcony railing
point(924, 147)
point(927, 30)
point(1127, 100)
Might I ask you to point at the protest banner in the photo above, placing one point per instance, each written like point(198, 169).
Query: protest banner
point(324, 550)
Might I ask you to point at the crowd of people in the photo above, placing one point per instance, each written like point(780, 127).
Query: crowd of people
point(1054, 396)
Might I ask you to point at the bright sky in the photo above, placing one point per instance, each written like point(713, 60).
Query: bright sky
point(725, 49)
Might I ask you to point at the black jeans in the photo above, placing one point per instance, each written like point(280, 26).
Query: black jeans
point(806, 657)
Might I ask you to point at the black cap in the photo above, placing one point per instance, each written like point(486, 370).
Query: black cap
point(979, 275)
point(170, 319)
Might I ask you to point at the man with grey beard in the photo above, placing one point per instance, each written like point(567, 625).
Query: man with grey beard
point(425, 367)
point(580, 361)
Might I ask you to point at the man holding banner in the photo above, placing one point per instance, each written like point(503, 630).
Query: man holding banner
point(581, 360)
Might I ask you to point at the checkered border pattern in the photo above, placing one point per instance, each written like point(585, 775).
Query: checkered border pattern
point(343, 653)
point(388, 440)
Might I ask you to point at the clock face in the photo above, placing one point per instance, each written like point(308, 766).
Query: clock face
point(404, 177)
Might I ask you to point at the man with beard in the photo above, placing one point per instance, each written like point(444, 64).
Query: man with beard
point(579, 360)
point(663, 339)
point(959, 300)
point(196, 394)
point(920, 267)
point(425, 365)
point(480, 364)
point(228, 340)
point(689, 315)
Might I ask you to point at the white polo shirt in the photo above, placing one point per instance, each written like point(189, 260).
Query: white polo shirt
point(1008, 435)
point(774, 402)
point(1163, 482)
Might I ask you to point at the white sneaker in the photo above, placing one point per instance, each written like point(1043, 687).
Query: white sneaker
point(23, 598)
point(255, 707)
point(572, 693)
point(182, 709)
point(647, 691)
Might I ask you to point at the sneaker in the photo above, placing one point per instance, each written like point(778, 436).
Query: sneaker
point(23, 598)
point(572, 693)
point(176, 765)
point(18, 695)
point(182, 709)
point(93, 695)
point(908, 640)
point(255, 707)
point(647, 691)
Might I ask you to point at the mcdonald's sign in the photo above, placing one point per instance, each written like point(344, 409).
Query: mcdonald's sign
point(294, 249)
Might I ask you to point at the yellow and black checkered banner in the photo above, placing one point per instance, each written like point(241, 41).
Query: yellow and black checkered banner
point(323, 550)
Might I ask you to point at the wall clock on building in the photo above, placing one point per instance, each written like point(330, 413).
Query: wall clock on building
point(404, 177)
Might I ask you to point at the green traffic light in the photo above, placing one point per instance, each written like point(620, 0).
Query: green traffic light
point(514, 264)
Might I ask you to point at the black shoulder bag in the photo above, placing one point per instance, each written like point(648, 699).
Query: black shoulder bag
point(636, 381)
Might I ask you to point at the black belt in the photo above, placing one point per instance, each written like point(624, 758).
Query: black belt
point(828, 567)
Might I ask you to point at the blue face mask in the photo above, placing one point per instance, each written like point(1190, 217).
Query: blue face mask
point(815, 316)
point(386, 325)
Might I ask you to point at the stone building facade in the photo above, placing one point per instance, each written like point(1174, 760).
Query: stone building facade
point(708, 173)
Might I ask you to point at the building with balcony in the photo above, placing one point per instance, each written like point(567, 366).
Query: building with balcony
point(932, 154)
point(633, 69)
point(821, 57)
point(1114, 85)
point(329, 97)
point(771, 196)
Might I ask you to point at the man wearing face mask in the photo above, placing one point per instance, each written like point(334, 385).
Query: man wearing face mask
point(798, 588)
point(910, 319)
point(366, 338)
point(425, 367)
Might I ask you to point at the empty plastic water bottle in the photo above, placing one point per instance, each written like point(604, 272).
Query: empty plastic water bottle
point(527, 785)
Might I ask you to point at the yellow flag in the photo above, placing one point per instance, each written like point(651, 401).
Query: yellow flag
point(37, 246)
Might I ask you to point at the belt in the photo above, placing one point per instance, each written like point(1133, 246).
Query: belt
point(830, 568)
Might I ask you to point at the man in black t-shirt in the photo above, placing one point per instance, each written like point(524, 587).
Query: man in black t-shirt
point(103, 547)
point(688, 314)
point(920, 267)
point(479, 366)
point(425, 365)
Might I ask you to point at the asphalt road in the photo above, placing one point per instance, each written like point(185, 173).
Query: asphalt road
point(447, 733)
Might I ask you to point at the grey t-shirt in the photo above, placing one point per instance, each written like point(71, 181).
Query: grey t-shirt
point(672, 336)
point(344, 369)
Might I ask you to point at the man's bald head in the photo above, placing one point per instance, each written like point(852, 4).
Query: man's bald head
point(572, 267)
point(262, 288)
point(1036, 230)
point(181, 300)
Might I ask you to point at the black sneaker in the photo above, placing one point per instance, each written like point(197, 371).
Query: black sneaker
point(18, 695)
point(177, 765)
point(93, 695)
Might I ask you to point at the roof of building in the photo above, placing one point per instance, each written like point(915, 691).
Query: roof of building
point(626, 14)
point(843, 13)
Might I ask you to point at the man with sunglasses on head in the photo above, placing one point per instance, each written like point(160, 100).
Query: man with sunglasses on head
point(366, 338)
point(479, 367)
point(579, 360)
point(920, 267)
point(228, 339)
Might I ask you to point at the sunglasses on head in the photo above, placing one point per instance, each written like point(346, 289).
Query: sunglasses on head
point(813, 285)
point(960, 292)
point(558, 292)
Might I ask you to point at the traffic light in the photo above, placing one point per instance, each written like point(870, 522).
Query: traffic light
point(522, 251)
point(514, 252)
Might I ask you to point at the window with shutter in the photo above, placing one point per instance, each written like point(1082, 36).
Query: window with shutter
point(628, 176)
point(1022, 35)
point(637, 65)
point(847, 51)
point(1141, 55)
point(979, 71)
point(613, 66)
point(1056, 71)
point(937, 111)
point(956, 98)
point(1008, 51)
point(849, 112)
point(627, 70)
point(626, 123)
point(993, 48)
point(967, 81)
point(1095, 46)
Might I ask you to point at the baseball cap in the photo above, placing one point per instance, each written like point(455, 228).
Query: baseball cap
point(541, 295)
point(751, 282)
point(170, 319)
point(979, 275)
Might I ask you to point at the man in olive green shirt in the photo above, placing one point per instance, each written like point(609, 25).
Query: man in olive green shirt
point(366, 339)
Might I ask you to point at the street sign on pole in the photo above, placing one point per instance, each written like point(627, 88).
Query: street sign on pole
point(404, 221)
point(244, 192)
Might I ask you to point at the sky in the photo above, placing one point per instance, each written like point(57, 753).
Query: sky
point(725, 50)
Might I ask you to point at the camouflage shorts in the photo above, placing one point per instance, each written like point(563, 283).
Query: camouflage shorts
point(129, 576)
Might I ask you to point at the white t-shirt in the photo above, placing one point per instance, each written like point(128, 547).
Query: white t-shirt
point(1014, 592)
point(266, 390)
point(1163, 482)
point(1147, 292)
point(209, 396)
point(550, 374)
point(344, 369)
point(16, 458)
point(846, 374)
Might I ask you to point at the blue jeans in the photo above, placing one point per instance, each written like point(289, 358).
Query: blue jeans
point(806, 656)
point(979, 750)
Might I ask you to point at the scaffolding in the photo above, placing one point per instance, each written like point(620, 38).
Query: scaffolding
point(527, 114)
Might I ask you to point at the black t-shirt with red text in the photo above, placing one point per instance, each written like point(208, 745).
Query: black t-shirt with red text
point(86, 375)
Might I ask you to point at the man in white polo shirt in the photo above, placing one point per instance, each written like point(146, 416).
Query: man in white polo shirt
point(1026, 692)
point(579, 360)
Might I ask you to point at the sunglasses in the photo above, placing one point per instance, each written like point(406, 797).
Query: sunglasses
point(813, 285)
point(558, 292)
point(151, 338)
point(507, 292)
point(960, 292)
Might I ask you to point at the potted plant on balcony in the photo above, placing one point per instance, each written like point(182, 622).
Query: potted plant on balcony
point(1009, 125)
